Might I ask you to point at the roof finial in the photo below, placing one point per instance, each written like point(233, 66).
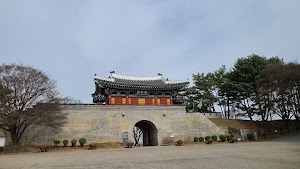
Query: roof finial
point(95, 74)
point(112, 72)
point(159, 74)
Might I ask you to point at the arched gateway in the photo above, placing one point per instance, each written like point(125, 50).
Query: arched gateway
point(149, 131)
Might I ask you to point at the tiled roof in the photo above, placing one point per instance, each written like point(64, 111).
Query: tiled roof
point(122, 81)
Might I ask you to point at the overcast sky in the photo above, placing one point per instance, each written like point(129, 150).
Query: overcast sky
point(71, 40)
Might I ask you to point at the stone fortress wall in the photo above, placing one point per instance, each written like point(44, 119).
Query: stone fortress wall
point(106, 123)
point(212, 115)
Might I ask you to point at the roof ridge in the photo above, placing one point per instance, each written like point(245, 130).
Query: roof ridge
point(137, 78)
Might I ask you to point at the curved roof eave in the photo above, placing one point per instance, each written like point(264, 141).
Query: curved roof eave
point(116, 85)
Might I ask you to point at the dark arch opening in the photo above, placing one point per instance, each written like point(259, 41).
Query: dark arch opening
point(149, 131)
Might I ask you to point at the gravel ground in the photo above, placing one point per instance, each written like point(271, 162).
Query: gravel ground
point(280, 153)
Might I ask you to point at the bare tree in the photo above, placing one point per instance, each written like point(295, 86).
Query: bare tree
point(28, 98)
point(137, 135)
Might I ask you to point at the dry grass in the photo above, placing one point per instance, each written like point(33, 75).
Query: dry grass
point(247, 124)
point(241, 124)
point(109, 145)
point(272, 129)
point(20, 149)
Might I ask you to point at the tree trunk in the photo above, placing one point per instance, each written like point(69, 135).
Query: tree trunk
point(288, 125)
point(14, 137)
point(297, 122)
point(251, 119)
point(285, 120)
point(249, 114)
point(228, 114)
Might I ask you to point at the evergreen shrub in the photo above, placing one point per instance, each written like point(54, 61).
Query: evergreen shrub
point(73, 142)
point(82, 141)
point(65, 142)
point(214, 137)
point(207, 137)
point(56, 142)
point(228, 137)
point(222, 138)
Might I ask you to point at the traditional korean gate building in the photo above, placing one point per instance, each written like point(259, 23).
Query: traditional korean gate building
point(119, 89)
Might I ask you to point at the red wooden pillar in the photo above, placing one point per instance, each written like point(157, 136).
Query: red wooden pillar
point(109, 100)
